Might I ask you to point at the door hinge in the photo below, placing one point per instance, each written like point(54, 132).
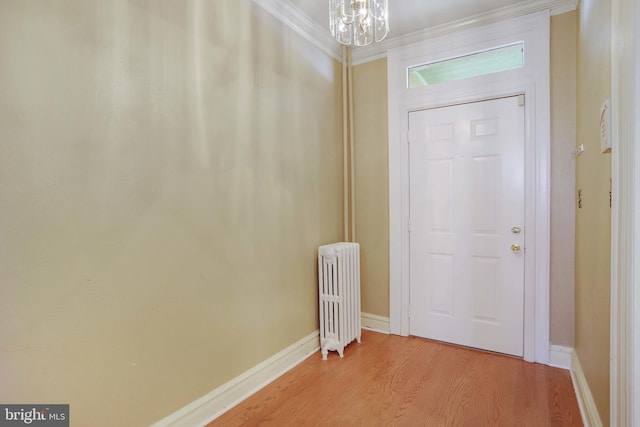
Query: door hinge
point(521, 100)
point(409, 225)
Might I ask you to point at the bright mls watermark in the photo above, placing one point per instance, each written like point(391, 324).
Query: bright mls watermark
point(34, 415)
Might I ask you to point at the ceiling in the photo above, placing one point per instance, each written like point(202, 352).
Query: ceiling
point(408, 16)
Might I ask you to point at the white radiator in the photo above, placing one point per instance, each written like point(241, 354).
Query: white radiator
point(339, 289)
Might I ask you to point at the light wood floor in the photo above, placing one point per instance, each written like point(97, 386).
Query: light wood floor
point(394, 381)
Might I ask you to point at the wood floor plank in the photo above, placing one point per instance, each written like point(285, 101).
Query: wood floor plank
point(396, 381)
point(561, 393)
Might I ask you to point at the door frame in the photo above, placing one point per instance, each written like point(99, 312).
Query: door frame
point(625, 215)
point(532, 80)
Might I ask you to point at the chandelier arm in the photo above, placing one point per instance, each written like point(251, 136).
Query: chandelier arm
point(363, 20)
point(347, 19)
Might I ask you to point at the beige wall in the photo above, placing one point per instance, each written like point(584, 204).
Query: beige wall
point(370, 95)
point(372, 183)
point(167, 171)
point(593, 221)
point(563, 178)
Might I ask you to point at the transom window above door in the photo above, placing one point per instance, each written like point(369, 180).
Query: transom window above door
point(495, 60)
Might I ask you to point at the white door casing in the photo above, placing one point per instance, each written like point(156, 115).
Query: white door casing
point(532, 80)
point(625, 215)
point(466, 201)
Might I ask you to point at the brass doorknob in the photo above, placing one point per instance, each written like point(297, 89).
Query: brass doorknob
point(515, 248)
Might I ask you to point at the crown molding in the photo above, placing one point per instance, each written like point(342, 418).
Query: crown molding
point(294, 18)
point(379, 50)
point(563, 6)
point(299, 22)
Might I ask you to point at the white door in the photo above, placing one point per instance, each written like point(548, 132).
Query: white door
point(467, 234)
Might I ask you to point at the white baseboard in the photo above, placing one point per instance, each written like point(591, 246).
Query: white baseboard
point(588, 409)
point(375, 323)
point(560, 357)
point(207, 408)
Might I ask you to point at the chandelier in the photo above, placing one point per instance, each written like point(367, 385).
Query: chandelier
point(359, 22)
